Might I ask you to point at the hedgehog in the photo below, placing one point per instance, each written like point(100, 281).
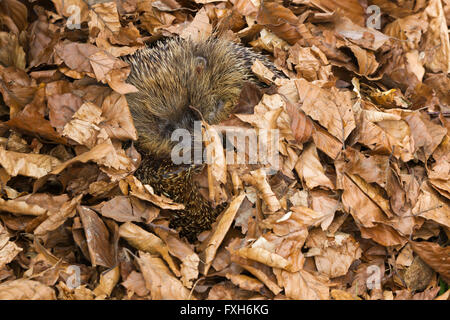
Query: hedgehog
point(179, 82)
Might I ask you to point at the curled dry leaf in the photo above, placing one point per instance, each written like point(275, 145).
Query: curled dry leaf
point(160, 281)
point(147, 242)
point(303, 285)
point(258, 179)
point(435, 256)
point(332, 255)
point(430, 205)
point(145, 192)
point(263, 256)
point(209, 247)
point(301, 125)
point(263, 73)
point(189, 259)
point(117, 118)
point(217, 164)
point(135, 283)
point(8, 249)
point(83, 126)
point(261, 272)
point(343, 295)
point(57, 218)
point(27, 164)
point(124, 208)
point(108, 281)
point(23, 289)
point(245, 282)
point(100, 241)
point(311, 170)
point(332, 109)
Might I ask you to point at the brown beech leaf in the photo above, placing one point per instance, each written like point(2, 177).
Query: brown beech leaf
point(36, 204)
point(301, 125)
point(23, 289)
point(190, 261)
point(83, 128)
point(31, 119)
point(263, 256)
point(76, 55)
point(311, 170)
point(147, 242)
point(437, 38)
point(431, 206)
point(245, 282)
point(325, 142)
point(99, 240)
point(118, 122)
point(199, 28)
point(8, 249)
point(383, 234)
point(108, 281)
point(104, 16)
point(435, 256)
point(261, 272)
point(209, 246)
point(331, 108)
point(359, 205)
point(258, 179)
point(124, 208)
point(280, 20)
point(17, 88)
point(332, 255)
point(57, 218)
point(160, 281)
point(145, 192)
point(135, 283)
point(368, 38)
point(426, 134)
point(62, 107)
point(27, 164)
point(95, 154)
point(303, 285)
point(43, 38)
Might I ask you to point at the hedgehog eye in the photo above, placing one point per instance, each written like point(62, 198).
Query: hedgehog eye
point(166, 128)
point(220, 105)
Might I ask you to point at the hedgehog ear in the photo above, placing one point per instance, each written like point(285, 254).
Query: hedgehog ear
point(200, 64)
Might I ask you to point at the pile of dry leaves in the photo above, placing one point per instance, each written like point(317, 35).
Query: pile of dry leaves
point(359, 208)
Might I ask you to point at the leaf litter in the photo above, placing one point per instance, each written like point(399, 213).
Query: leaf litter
point(363, 185)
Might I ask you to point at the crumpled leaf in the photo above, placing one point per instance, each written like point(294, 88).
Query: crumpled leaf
point(435, 256)
point(211, 244)
point(147, 242)
point(26, 164)
point(23, 289)
point(332, 255)
point(160, 281)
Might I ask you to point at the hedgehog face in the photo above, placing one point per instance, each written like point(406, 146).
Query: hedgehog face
point(180, 82)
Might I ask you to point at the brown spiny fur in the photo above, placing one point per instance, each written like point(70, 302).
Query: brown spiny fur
point(172, 78)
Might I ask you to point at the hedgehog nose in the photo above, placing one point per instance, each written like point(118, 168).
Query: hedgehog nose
point(194, 114)
point(188, 119)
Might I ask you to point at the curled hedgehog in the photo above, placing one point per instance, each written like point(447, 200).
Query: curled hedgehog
point(179, 82)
